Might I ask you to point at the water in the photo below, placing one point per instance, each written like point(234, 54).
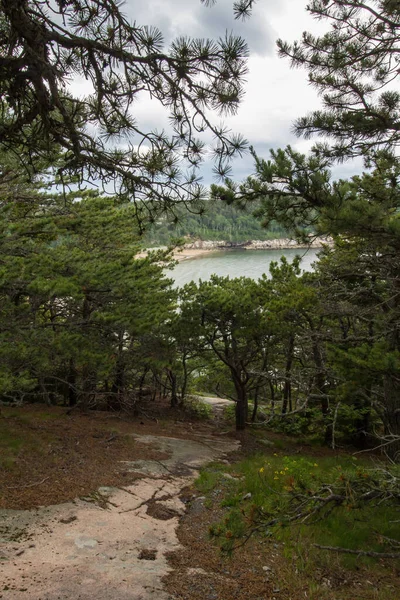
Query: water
point(237, 263)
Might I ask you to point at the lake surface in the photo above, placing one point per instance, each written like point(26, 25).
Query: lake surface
point(237, 263)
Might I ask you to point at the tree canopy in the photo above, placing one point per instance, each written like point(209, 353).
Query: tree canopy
point(45, 46)
point(355, 68)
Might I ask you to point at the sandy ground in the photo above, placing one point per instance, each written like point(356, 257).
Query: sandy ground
point(112, 544)
point(186, 253)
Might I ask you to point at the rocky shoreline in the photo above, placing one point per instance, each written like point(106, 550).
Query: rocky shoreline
point(276, 244)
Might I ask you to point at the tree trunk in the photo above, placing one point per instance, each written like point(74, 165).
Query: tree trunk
point(391, 415)
point(45, 392)
point(71, 380)
point(320, 378)
point(117, 388)
point(287, 389)
point(141, 383)
point(86, 389)
point(184, 380)
point(174, 388)
point(362, 421)
point(272, 391)
point(241, 406)
point(255, 408)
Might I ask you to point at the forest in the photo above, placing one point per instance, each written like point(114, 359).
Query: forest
point(216, 221)
point(89, 323)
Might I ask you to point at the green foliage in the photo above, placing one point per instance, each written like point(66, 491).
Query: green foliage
point(197, 408)
point(75, 299)
point(216, 221)
point(355, 340)
point(354, 64)
point(122, 61)
point(329, 501)
point(307, 423)
point(227, 316)
point(209, 477)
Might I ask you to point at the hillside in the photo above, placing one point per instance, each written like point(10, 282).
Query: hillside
point(217, 222)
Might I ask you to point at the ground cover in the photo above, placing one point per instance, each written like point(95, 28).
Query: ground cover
point(48, 456)
point(282, 561)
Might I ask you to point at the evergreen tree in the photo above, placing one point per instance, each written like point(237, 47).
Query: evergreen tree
point(230, 322)
point(45, 44)
point(355, 68)
point(75, 298)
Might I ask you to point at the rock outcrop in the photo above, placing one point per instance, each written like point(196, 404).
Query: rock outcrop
point(277, 244)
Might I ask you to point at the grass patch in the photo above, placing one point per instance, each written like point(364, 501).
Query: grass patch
point(19, 434)
point(303, 502)
point(210, 477)
point(198, 409)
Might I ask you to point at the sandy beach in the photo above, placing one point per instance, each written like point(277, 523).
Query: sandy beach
point(186, 253)
point(207, 247)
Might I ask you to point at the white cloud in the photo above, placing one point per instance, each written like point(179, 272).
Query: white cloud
point(276, 94)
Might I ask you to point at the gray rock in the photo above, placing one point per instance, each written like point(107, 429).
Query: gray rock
point(197, 507)
point(267, 443)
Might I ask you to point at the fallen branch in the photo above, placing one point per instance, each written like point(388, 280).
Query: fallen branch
point(18, 487)
point(359, 552)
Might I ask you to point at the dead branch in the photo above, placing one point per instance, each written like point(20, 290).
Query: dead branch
point(29, 485)
point(359, 552)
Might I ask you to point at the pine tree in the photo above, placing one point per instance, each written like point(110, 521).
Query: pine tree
point(355, 68)
point(75, 297)
point(44, 45)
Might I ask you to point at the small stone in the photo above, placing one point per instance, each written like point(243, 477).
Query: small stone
point(68, 520)
point(228, 476)
point(267, 569)
point(267, 443)
point(247, 496)
point(276, 591)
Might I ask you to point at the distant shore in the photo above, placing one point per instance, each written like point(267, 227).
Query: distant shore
point(202, 248)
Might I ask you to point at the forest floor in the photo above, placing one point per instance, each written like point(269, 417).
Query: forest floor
point(98, 506)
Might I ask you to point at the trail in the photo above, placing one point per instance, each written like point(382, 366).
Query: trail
point(112, 545)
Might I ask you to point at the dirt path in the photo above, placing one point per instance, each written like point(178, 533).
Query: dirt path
point(111, 545)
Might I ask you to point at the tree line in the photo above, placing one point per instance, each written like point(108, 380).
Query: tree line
point(85, 319)
point(215, 221)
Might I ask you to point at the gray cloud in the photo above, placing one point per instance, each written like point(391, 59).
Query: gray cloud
point(276, 94)
point(176, 18)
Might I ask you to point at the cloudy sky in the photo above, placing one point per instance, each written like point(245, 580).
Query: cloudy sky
point(275, 93)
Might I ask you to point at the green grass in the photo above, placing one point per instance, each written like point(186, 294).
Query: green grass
point(275, 482)
point(18, 433)
point(210, 477)
point(199, 409)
